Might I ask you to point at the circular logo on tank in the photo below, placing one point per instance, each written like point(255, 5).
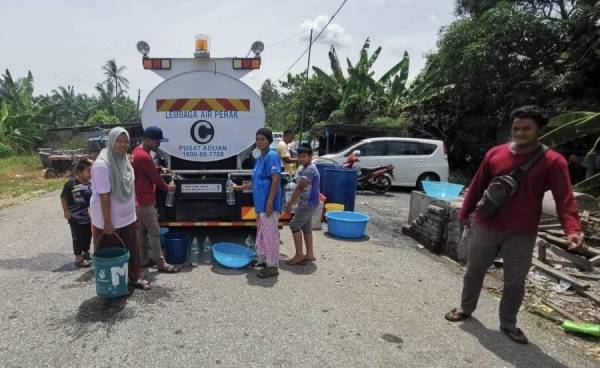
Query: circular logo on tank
point(202, 132)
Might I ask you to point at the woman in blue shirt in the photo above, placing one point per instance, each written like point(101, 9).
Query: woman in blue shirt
point(266, 194)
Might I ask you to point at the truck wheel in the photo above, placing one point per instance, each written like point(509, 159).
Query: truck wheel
point(426, 177)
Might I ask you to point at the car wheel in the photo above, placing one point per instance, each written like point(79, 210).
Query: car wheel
point(426, 177)
point(383, 185)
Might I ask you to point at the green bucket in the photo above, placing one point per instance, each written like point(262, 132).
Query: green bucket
point(110, 269)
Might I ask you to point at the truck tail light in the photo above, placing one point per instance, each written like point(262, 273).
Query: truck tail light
point(246, 63)
point(157, 63)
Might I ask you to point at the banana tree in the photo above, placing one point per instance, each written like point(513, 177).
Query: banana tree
point(571, 126)
point(361, 93)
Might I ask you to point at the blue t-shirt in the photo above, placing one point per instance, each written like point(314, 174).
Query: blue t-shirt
point(266, 165)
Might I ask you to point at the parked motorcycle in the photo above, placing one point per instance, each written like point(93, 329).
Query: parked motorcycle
point(378, 179)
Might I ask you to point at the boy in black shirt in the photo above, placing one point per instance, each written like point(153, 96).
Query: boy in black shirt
point(75, 200)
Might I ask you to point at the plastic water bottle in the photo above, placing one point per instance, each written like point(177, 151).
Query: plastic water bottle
point(195, 252)
point(250, 242)
point(288, 190)
point(207, 251)
point(229, 191)
point(170, 202)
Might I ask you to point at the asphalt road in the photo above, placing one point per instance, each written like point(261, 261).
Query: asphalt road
point(372, 303)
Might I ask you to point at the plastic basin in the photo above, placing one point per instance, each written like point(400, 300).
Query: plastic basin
point(442, 190)
point(347, 225)
point(232, 255)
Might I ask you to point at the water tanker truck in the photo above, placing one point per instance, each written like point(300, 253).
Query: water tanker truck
point(210, 118)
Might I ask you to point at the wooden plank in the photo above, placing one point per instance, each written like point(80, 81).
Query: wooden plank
point(595, 261)
point(579, 261)
point(588, 294)
point(549, 226)
point(577, 284)
point(564, 244)
point(565, 313)
point(584, 276)
point(541, 243)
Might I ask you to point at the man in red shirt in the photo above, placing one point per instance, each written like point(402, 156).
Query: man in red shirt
point(511, 232)
point(147, 179)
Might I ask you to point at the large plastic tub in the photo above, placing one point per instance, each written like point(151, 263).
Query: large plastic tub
point(442, 190)
point(340, 186)
point(347, 225)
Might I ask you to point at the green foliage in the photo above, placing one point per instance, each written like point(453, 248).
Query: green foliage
point(102, 117)
point(24, 117)
point(501, 55)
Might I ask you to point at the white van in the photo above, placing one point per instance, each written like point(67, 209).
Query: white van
point(414, 160)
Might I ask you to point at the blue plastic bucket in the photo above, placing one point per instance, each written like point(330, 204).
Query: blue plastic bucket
point(163, 231)
point(110, 270)
point(175, 248)
point(347, 225)
point(321, 166)
point(340, 186)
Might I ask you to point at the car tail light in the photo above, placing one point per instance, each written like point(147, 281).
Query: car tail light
point(445, 151)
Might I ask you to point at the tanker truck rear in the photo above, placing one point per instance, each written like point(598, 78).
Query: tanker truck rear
point(210, 118)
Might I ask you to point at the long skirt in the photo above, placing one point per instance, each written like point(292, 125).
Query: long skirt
point(267, 238)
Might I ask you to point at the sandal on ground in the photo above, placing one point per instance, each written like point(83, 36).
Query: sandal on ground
point(455, 316)
point(86, 255)
point(255, 263)
point(268, 272)
point(516, 335)
point(141, 284)
point(169, 269)
point(83, 263)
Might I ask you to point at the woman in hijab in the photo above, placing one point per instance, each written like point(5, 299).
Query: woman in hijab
point(113, 203)
point(266, 194)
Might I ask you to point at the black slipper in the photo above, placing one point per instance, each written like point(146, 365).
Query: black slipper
point(455, 316)
point(169, 269)
point(268, 272)
point(516, 335)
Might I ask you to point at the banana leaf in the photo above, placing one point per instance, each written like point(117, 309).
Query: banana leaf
point(402, 66)
point(571, 131)
point(568, 117)
point(589, 125)
point(588, 184)
point(325, 77)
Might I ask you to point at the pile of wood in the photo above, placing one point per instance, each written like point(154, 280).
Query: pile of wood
point(570, 285)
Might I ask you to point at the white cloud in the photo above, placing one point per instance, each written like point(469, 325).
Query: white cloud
point(334, 34)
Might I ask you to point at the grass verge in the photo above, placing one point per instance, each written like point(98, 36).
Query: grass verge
point(22, 177)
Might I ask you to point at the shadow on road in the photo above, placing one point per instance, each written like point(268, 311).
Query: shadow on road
point(229, 271)
point(254, 280)
point(365, 238)
point(98, 309)
point(521, 356)
point(55, 262)
point(305, 269)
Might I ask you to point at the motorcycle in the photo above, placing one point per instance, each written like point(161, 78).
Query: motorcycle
point(378, 179)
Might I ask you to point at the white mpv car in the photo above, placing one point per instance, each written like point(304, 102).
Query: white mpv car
point(414, 160)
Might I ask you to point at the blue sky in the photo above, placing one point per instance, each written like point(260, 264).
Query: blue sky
point(67, 42)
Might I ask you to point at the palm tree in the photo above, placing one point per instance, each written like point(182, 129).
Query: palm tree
point(114, 75)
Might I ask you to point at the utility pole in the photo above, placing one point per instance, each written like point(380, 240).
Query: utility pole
point(137, 111)
point(305, 86)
